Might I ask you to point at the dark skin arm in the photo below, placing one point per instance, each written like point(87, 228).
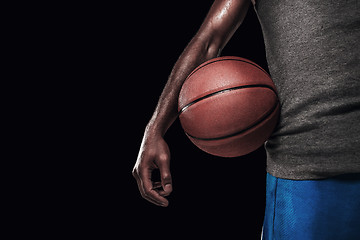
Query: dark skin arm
point(224, 17)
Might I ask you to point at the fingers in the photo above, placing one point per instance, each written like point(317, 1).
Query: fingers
point(166, 180)
point(141, 189)
point(147, 189)
point(150, 191)
point(154, 155)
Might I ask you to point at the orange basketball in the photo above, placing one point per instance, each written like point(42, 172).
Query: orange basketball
point(228, 106)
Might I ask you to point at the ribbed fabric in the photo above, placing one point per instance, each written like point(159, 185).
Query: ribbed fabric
point(314, 60)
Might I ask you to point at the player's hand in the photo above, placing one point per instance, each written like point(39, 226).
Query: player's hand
point(154, 154)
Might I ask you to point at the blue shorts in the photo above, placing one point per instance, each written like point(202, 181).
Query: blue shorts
point(327, 209)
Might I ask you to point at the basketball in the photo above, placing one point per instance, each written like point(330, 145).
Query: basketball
point(228, 106)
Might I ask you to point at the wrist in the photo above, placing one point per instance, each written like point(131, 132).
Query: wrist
point(154, 129)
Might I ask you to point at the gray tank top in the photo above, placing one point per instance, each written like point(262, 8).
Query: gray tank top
point(312, 50)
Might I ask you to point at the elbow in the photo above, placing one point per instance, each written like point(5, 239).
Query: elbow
point(213, 49)
point(213, 42)
point(204, 47)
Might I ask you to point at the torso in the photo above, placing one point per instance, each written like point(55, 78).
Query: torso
point(313, 58)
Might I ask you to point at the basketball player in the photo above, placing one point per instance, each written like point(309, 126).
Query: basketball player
point(313, 161)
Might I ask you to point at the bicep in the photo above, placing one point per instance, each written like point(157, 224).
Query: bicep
point(224, 17)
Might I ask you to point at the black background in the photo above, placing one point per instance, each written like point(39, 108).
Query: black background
point(123, 58)
point(212, 196)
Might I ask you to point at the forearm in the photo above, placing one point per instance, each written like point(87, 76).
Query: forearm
point(198, 51)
